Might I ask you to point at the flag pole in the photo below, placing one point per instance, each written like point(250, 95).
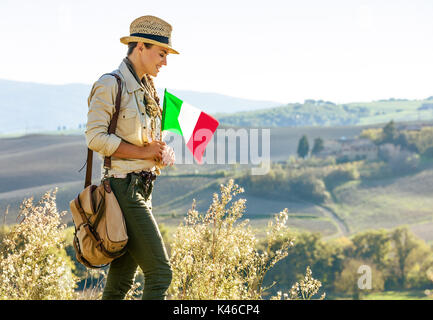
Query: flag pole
point(162, 115)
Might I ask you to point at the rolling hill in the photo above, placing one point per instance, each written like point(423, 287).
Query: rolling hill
point(324, 113)
point(31, 107)
point(31, 165)
point(35, 108)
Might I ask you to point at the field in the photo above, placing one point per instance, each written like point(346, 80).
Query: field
point(388, 203)
point(31, 165)
point(397, 295)
point(39, 160)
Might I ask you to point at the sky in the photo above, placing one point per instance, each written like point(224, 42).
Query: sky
point(285, 51)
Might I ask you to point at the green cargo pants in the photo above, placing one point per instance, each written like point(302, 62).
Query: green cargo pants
point(145, 246)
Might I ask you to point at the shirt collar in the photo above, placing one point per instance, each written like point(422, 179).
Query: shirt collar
point(130, 80)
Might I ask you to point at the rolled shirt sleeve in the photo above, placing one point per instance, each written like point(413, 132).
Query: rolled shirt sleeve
point(101, 109)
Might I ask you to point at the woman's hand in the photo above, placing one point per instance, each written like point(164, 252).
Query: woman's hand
point(168, 156)
point(155, 150)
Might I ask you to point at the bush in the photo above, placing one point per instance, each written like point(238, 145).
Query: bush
point(310, 188)
point(4, 230)
point(33, 262)
point(399, 161)
point(341, 175)
point(305, 289)
point(214, 257)
point(308, 180)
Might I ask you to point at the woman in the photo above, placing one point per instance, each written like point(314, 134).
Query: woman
point(137, 154)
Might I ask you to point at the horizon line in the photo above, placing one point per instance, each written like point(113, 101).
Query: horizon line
point(228, 95)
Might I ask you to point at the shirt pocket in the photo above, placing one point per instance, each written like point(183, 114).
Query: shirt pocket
point(127, 122)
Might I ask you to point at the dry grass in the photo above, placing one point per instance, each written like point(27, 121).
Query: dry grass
point(33, 262)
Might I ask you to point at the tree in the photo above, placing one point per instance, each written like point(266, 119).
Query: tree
point(390, 132)
point(374, 245)
point(303, 147)
point(318, 146)
point(402, 259)
point(309, 251)
point(403, 140)
point(349, 281)
point(404, 244)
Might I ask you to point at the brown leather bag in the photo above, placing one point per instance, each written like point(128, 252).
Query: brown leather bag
point(100, 230)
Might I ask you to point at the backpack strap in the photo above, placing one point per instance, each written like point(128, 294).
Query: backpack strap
point(111, 129)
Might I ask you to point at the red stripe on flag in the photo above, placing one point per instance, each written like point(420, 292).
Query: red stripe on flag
point(202, 134)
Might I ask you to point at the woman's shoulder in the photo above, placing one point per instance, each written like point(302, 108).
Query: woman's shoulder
point(108, 79)
point(105, 88)
point(107, 83)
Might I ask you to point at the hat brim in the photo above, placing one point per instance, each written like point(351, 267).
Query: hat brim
point(128, 39)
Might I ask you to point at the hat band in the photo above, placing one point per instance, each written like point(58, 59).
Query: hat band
point(161, 39)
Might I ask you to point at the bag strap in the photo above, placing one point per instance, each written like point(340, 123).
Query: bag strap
point(111, 129)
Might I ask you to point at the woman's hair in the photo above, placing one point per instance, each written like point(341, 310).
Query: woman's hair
point(131, 46)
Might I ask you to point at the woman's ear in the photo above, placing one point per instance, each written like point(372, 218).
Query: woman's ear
point(140, 46)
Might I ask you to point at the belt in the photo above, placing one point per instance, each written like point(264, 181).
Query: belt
point(124, 175)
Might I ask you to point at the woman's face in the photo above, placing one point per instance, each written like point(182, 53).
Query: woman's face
point(153, 59)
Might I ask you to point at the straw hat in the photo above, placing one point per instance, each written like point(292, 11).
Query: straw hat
point(150, 29)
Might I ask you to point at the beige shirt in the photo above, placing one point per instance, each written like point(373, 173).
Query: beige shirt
point(133, 125)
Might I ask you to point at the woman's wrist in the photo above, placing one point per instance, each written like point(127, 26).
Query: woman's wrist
point(145, 152)
point(130, 151)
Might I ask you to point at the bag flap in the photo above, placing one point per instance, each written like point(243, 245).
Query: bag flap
point(90, 199)
point(116, 229)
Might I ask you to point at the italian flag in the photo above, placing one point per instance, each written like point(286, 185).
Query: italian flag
point(196, 127)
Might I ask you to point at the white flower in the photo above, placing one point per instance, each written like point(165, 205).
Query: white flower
point(168, 157)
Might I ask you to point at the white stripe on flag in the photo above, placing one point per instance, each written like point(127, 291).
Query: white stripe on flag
point(188, 118)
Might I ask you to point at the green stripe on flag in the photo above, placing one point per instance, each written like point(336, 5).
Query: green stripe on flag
point(170, 113)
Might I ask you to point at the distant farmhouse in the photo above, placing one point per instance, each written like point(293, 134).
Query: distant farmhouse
point(349, 149)
point(345, 149)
